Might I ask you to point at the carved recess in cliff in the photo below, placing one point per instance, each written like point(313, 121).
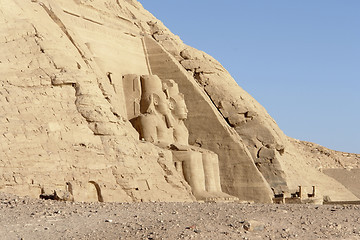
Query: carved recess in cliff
point(239, 175)
point(209, 73)
point(157, 110)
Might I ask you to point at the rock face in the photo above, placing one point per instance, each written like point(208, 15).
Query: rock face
point(65, 115)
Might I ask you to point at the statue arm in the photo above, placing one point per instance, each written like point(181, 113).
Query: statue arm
point(148, 129)
point(180, 147)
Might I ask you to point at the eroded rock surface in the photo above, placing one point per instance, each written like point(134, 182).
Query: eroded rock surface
point(63, 121)
point(65, 125)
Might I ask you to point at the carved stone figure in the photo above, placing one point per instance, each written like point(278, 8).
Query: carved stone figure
point(154, 123)
point(163, 111)
point(200, 167)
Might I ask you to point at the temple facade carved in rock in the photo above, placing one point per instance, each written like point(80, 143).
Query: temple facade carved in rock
point(101, 102)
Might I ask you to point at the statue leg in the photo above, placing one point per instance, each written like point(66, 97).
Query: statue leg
point(212, 177)
point(179, 168)
point(215, 163)
point(208, 160)
point(193, 171)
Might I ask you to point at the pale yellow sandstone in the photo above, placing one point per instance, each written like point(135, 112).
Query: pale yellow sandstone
point(64, 120)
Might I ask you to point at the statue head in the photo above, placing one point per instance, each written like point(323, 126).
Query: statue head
point(153, 97)
point(177, 100)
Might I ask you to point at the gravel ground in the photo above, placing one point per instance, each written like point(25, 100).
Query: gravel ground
point(25, 218)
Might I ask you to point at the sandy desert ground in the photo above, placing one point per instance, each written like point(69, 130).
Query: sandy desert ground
point(25, 218)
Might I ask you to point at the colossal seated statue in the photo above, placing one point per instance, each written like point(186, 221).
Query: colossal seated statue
point(160, 121)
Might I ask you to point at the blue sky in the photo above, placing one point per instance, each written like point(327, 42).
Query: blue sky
point(299, 59)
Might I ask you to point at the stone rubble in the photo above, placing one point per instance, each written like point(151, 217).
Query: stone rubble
point(27, 218)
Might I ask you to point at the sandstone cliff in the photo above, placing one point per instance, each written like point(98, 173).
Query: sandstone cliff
point(64, 122)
